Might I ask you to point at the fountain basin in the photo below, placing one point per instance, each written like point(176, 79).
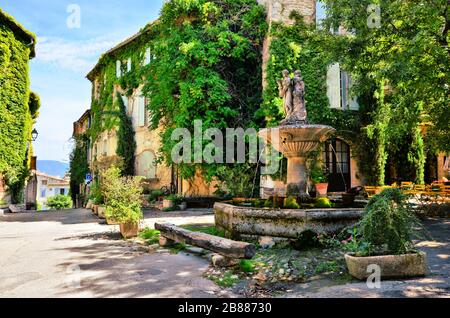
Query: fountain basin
point(295, 142)
point(237, 221)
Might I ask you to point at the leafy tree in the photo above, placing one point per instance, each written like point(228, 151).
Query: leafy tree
point(126, 142)
point(79, 165)
point(207, 67)
point(406, 63)
point(59, 202)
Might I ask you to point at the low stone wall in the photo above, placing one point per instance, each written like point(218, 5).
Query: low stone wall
point(237, 221)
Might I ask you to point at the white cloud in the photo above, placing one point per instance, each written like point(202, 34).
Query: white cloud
point(76, 56)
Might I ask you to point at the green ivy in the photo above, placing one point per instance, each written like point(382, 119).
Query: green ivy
point(18, 107)
point(79, 165)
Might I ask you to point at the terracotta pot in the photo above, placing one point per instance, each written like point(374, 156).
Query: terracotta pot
point(129, 230)
point(168, 204)
point(322, 189)
point(110, 221)
point(101, 212)
point(392, 266)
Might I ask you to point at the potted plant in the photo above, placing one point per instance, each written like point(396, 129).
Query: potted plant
point(320, 180)
point(384, 238)
point(170, 201)
point(96, 196)
point(123, 204)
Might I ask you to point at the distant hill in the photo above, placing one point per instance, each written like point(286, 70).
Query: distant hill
point(53, 168)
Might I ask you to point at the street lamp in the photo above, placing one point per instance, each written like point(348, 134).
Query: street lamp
point(34, 135)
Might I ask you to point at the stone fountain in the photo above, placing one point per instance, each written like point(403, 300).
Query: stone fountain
point(295, 138)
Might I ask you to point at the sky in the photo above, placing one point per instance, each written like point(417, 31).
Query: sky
point(66, 53)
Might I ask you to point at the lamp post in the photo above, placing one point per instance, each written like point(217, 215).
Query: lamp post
point(34, 135)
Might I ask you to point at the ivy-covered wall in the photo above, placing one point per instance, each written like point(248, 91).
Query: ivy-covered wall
point(18, 108)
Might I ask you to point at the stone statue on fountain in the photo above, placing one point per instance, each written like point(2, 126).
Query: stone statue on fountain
point(292, 90)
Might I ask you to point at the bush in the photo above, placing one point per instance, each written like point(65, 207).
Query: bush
point(318, 175)
point(122, 196)
point(389, 223)
point(247, 266)
point(323, 203)
point(177, 200)
point(60, 202)
point(291, 203)
point(96, 194)
point(154, 195)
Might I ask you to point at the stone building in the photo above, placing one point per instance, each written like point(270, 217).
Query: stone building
point(103, 150)
point(17, 48)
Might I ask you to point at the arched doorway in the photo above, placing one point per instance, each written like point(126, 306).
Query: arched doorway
point(337, 160)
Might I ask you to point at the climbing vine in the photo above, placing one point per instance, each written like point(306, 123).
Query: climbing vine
point(207, 67)
point(79, 165)
point(18, 107)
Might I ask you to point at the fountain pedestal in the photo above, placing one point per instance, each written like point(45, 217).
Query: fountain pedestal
point(295, 142)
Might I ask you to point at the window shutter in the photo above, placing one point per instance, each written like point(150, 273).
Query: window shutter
point(148, 56)
point(334, 85)
point(129, 65)
point(118, 69)
point(141, 111)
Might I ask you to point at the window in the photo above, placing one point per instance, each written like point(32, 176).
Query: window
point(43, 192)
point(339, 85)
point(44, 182)
point(118, 69)
point(105, 147)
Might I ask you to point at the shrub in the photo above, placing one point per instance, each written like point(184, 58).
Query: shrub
point(177, 200)
point(96, 194)
point(60, 202)
point(150, 236)
point(318, 175)
point(247, 266)
point(323, 203)
point(122, 196)
point(154, 195)
point(291, 203)
point(389, 223)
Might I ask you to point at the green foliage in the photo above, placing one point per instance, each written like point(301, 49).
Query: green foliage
point(207, 229)
point(59, 202)
point(151, 236)
point(404, 66)
point(154, 195)
point(291, 203)
point(16, 119)
point(323, 203)
point(126, 142)
point(34, 104)
point(208, 67)
point(16, 185)
point(325, 267)
point(247, 266)
point(122, 196)
point(79, 165)
point(96, 194)
point(318, 175)
point(389, 223)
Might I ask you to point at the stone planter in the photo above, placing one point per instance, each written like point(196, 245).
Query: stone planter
point(129, 230)
point(392, 266)
point(95, 209)
point(322, 189)
point(168, 204)
point(89, 205)
point(183, 206)
point(101, 212)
